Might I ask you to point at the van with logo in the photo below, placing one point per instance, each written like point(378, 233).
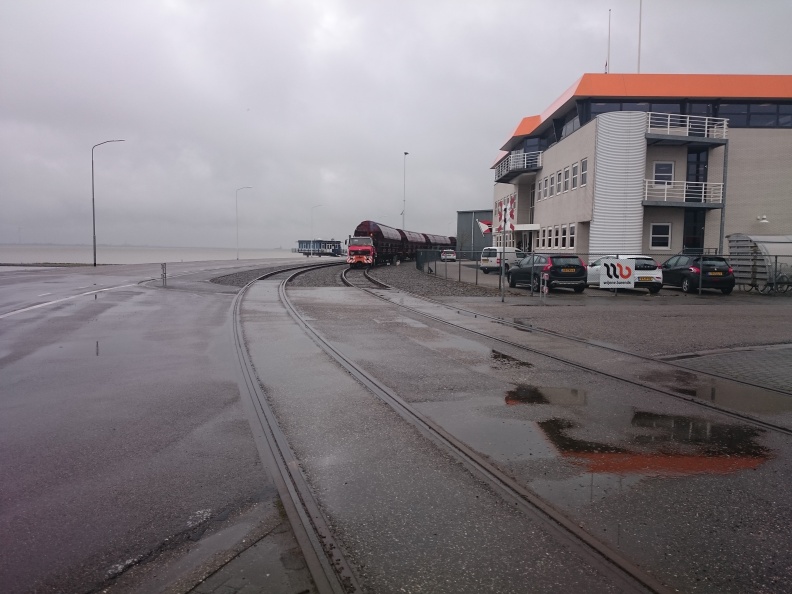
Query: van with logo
point(491, 258)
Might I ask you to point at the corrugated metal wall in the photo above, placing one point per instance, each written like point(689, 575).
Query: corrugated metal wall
point(619, 165)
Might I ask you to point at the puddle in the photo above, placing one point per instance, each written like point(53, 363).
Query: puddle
point(527, 394)
point(500, 438)
point(723, 392)
point(502, 360)
point(656, 444)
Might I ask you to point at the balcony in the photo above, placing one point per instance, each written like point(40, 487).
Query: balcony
point(516, 164)
point(675, 128)
point(682, 193)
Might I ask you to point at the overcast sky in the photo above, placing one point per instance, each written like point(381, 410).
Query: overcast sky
point(309, 102)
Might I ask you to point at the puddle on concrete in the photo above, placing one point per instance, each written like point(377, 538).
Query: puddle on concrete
point(721, 391)
point(656, 444)
point(527, 394)
point(500, 438)
point(501, 360)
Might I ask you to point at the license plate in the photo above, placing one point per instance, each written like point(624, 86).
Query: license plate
point(645, 279)
point(716, 273)
point(568, 270)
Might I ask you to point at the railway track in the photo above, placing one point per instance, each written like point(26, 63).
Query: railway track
point(334, 572)
point(330, 571)
point(628, 359)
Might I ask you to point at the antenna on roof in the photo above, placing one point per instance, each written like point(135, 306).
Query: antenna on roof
point(607, 60)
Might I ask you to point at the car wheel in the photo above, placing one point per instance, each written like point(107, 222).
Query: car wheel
point(535, 284)
point(506, 268)
point(726, 290)
point(512, 280)
point(654, 290)
point(686, 286)
point(580, 288)
point(485, 271)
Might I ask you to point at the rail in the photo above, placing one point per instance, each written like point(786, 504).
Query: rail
point(674, 124)
point(518, 161)
point(682, 191)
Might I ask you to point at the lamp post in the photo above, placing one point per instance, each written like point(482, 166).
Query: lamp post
point(404, 196)
point(93, 194)
point(312, 235)
point(237, 215)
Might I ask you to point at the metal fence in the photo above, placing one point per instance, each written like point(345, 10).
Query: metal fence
point(770, 274)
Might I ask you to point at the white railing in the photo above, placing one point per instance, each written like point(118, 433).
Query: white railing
point(675, 124)
point(518, 161)
point(682, 191)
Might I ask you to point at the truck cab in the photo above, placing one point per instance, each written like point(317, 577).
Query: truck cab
point(361, 252)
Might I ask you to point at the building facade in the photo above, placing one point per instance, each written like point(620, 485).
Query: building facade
point(474, 232)
point(648, 163)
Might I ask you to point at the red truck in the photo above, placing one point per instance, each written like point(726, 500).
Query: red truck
point(361, 252)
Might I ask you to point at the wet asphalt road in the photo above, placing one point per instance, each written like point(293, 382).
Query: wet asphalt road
point(123, 441)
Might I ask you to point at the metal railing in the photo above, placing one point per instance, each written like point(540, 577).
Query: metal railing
point(675, 124)
point(518, 161)
point(682, 191)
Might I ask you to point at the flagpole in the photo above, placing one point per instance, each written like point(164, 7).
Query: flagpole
point(607, 61)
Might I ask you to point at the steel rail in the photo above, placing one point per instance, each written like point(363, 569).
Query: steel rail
point(612, 563)
point(329, 570)
point(690, 399)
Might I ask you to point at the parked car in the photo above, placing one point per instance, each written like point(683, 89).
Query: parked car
point(448, 256)
point(491, 258)
point(566, 271)
point(648, 275)
point(687, 271)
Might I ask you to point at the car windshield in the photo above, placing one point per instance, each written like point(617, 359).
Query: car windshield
point(566, 261)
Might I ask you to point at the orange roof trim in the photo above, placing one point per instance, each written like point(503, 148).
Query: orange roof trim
point(663, 87)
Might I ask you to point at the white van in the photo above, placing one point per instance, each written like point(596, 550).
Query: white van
point(491, 258)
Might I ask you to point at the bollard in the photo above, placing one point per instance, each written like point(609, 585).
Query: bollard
point(164, 275)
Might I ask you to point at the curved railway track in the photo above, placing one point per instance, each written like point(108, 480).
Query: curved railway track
point(331, 571)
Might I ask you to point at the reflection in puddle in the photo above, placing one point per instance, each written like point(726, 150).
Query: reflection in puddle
point(664, 445)
point(723, 392)
point(526, 394)
point(504, 360)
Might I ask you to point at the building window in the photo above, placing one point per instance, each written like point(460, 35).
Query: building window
point(543, 237)
point(539, 189)
point(660, 238)
point(583, 171)
point(558, 183)
point(544, 191)
point(552, 185)
point(574, 176)
point(572, 235)
point(566, 179)
point(563, 236)
point(555, 242)
point(663, 173)
point(538, 244)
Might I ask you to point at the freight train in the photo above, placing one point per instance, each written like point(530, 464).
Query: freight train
point(375, 243)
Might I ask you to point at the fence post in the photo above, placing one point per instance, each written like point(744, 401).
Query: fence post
point(164, 275)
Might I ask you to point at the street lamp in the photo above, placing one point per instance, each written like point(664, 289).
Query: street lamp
point(312, 237)
point(93, 194)
point(237, 213)
point(404, 198)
